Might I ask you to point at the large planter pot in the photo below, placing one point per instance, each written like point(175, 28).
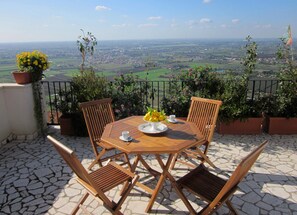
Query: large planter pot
point(22, 77)
point(280, 125)
point(249, 126)
point(66, 126)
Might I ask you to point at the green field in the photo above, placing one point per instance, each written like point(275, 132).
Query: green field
point(165, 58)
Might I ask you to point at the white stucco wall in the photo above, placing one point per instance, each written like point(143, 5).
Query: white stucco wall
point(17, 110)
point(4, 123)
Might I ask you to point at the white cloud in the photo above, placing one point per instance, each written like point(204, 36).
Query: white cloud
point(264, 26)
point(235, 21)
point(205, 20)
point(173, 23)
point(154, 18)
point(101, 20)
point(120, 25)
point(56, 17)
point(101, 8)
point(223, 26)
point(148, 25)
point(206, 1)
point(191, 23)
point(267, 26)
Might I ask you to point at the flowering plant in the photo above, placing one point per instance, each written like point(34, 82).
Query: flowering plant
point(153, 115)
point(34, 61)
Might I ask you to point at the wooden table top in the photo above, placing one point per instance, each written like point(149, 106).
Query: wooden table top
point(178, 137)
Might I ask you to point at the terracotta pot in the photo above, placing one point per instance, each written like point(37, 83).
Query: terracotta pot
point(280, 125)
point(249, 126)
point(22, 77)
point(66, 126)
point(26, 77)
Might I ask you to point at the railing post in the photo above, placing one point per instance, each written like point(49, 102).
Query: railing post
point(253, 90)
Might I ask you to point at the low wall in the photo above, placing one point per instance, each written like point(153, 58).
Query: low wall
point(17, 112)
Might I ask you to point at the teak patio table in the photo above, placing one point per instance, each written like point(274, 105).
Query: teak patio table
point(178, 137)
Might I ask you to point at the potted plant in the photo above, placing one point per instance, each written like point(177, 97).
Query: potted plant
point(238, 114)
point(67, 106)
point(31, 66)
point(281, 110)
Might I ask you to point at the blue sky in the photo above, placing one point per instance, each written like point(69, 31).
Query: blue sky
point(61, 20)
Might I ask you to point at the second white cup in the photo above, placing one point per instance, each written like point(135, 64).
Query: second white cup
point(125, 135)
point(172, 117)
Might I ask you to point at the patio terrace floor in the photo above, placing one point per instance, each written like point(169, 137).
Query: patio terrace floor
point(35, 180)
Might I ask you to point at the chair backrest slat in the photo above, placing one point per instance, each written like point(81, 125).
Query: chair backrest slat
point(204, 113)
point(240, 172)
point(97, 114)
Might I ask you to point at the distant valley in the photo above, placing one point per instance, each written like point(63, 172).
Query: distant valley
point(149, 59)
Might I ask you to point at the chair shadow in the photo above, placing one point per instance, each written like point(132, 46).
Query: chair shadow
point(265, 199)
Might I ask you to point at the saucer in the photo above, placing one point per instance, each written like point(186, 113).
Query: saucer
point(172, 121)
point(126, 140)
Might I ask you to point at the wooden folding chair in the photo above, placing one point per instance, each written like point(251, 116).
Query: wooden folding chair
point(97, 114)
point(99, 181)
point(214, 189)
point(204, 113)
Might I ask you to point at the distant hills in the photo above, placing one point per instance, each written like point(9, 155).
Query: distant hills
point(150, 59)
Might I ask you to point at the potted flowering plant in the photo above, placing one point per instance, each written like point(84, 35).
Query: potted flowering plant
point(31, 66)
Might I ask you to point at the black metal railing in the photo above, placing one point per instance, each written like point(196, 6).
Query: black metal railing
point(155, 92)
point(52, 90)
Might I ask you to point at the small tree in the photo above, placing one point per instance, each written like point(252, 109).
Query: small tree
point(86, 45)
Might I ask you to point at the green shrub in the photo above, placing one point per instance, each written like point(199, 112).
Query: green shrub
point(287, 90)
point(200, 81)
point(236, 104)
point(86, 86)
point(129, 96)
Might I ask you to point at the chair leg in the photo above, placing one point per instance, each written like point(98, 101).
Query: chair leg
point(205, 158)
point(206, 148)
point(231, 207)
point(97, 159)
point(125, 194)
point(81, 201)
point(173, 161)
point(127, 161)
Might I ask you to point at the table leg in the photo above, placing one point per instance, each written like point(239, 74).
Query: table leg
point(161, 180)
point(153, 172)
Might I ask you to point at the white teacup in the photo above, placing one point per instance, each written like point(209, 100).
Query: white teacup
point(172, 118)
point(125, 135)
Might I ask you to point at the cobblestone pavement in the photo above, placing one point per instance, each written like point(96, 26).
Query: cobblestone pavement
point(35, 180)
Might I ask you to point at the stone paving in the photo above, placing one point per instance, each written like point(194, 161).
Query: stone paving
point(35, 180)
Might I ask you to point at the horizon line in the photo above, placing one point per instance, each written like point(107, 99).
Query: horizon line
point(237, 38)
